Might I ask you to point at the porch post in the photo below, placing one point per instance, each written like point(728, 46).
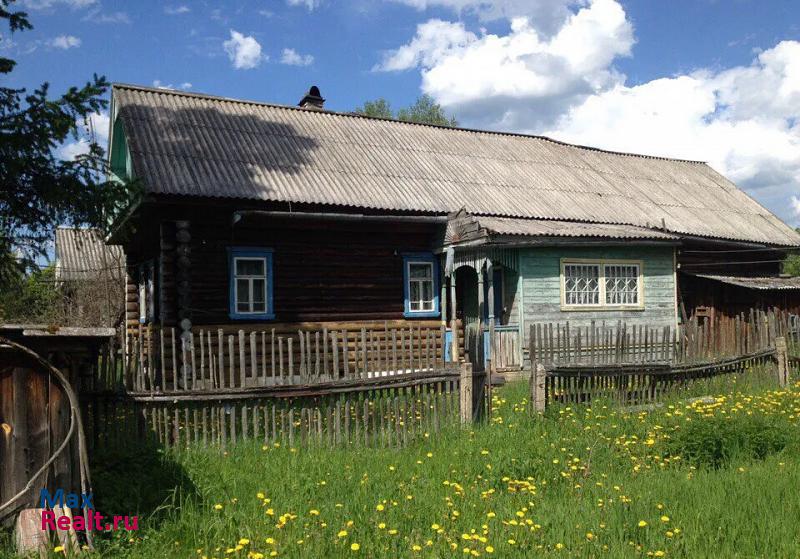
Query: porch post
point(479, 343)
point(490, 294)
point(454, 357)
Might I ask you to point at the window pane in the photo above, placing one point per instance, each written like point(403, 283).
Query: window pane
point(427, 295)
point(258, 290)
point(414, 293)
point(622, 284)
point(420, 270)
point(581, 284)
point(250, 267)
point(242, 291)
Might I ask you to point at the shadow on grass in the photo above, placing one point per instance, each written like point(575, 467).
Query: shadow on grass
point(139, 479)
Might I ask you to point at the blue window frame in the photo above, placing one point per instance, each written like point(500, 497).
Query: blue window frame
point(421, 285)
point(250, 281)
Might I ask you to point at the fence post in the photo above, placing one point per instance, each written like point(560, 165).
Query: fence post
point(465, 393)
point(538, 388)
point(783, 361)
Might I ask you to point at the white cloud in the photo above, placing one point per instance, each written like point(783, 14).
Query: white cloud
point(521, 79)
point(244, 51)
point(311, 5)
point(98, 16)
point(744, 120)
point(176, 10)
point(796, 206)
point(65, 42)
point(161, 85)
point(47, 4)
point(548, 15)
point(293, 58)
point(95, 128)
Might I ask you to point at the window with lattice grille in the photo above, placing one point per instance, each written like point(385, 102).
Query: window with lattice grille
point(601, 284)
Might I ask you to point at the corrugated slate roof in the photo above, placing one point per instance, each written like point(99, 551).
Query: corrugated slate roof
point(197, 145)
point(82, 254)
point(555, 228)
point(760, 283)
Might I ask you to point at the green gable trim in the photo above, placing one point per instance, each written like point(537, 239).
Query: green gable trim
point(120, 157)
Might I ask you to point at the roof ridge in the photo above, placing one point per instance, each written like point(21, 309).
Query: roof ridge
point(198, 95)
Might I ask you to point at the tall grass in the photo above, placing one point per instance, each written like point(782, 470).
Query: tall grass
point(574, 482)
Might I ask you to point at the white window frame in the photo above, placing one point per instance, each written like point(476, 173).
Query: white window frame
point(411, 280)
point(601, 264)
point(250, 278)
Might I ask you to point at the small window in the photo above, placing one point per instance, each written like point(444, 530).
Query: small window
point(601, 284)
point(421, 278)
point(251, 283)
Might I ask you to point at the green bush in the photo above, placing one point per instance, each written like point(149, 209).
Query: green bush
point(718, 441)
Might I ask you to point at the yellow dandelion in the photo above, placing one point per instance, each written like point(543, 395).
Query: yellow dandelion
point(355, 546)
point(217, 507)
point(642, 524)
point(342, 534)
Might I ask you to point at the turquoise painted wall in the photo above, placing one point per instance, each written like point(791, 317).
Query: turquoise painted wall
point(541, 289)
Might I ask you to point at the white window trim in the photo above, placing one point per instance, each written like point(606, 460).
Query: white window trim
point(602, 263)
point(237, 277)
point(409, 280)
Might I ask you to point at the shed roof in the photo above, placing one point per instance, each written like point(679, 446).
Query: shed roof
point(190, 144)
point(82, 254)
point(760, 283)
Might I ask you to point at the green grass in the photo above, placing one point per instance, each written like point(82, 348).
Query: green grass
point(686, 479)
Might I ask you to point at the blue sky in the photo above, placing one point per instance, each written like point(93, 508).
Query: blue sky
point(702, 79)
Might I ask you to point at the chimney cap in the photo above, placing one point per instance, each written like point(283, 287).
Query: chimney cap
point(313, 99)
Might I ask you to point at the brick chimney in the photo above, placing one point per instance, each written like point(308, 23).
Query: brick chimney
point(312, 100)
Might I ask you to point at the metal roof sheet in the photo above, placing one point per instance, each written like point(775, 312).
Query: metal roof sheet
point(197, 145)
point(81, 254)
point(760, 283)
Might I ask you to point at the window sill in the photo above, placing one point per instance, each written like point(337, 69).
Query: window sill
point(422, 314)
point(252, 316)
point(602, 308)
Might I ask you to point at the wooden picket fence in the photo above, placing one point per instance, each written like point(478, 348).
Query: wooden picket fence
point(160, 360)
point(604, 343)
point(639, 365)
point(381, 411)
